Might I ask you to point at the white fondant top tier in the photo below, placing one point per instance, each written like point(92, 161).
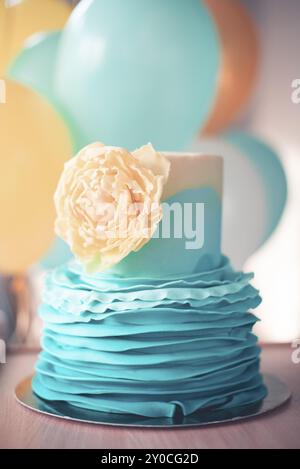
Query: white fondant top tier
point(193, 170)
point(195, 180)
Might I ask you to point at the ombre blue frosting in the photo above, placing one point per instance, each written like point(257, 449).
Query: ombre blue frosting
point(150, 346)
point(168, 255)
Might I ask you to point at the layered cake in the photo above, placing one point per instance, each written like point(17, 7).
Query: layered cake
point(150, 319)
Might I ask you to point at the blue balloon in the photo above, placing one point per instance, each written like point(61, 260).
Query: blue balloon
point(269, 167)
point(135, 71)
point(35, 67)
point(58, 254)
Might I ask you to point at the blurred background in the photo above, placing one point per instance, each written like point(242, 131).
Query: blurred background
point(218, 76)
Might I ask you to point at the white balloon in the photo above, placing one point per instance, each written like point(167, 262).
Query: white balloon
point(244, 201)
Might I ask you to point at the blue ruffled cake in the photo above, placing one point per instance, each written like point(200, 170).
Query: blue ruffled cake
point(167, 331)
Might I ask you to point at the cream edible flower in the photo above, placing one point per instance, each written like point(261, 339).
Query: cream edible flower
point(108, 202)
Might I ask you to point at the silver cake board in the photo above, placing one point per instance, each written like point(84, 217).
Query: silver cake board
point(278, 394)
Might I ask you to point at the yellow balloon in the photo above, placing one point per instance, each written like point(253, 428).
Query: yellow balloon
point(26, 17)
point(34, 144)
point(3, 36)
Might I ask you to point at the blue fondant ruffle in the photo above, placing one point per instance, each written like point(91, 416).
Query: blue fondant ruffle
point(149, 347)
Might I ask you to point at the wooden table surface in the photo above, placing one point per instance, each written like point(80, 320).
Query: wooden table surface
point(22, 428)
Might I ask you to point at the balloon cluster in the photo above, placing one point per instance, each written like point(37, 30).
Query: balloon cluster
point(35, 141)
point(122, 72)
